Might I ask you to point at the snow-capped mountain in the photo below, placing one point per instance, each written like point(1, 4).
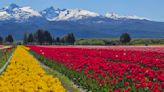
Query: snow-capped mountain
point(116, 16)
point(75, 14)
point(23, 13)
point(17, 13)
point(50, 13)
point(53, 14)
point(17, 20)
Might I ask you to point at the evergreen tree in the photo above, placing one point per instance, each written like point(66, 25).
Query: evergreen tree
point(57, 39)
point(1, 40)
point(9, 39)
point(47, 37)
point(30, 38)
point(125, 38)
point(25, 38)
point(69, 38)
point(62, 40)
point(39, 36)
point(72, 38)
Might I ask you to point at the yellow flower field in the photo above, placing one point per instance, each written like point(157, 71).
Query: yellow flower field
point(24, 74)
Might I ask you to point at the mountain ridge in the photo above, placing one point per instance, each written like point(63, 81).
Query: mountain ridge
point(17, 20)
point(52, 14)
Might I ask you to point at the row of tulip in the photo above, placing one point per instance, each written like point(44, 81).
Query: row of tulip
point(24, 74)
point(150, 56)
point(111, 70)
point(129, 48)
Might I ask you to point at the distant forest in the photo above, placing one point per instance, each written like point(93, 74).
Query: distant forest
point(44, 37)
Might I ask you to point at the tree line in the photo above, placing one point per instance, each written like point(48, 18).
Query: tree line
point(45, 37)
point(8, 39)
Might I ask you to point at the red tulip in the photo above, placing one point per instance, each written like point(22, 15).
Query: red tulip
point(120, 79)
point(126, 83)
point(134, 64)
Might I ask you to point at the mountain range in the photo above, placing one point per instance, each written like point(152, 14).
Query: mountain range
point(17, 20)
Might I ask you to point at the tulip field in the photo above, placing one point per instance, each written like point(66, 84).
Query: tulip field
point(108, 69)
point(24, 74)
point(90, 68)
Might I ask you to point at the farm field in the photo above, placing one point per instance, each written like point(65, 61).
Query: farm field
point(24, 74)
point(81, 46)
point(107, 68)
point(82, 68)
point(137, 48)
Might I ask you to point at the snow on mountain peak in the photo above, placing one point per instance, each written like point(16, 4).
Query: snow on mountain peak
point(112, 15)
point(29, 10)
point(53, 14)
point(50, 13)
point(4, 15)
point(116, 16)
point(20, 13)
point(75, 14)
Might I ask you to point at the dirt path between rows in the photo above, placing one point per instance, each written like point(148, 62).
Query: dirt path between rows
point(72, 88)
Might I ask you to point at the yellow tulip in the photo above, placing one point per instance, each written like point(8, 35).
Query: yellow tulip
point(24, 74)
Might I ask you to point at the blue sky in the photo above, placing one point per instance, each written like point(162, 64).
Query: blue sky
point(152, 9)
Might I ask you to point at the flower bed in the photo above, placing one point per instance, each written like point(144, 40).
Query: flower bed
point(105, 70)
point(24, 74)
